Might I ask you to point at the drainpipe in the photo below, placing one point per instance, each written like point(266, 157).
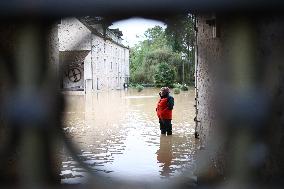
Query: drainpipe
point(196, 134)
point(92, 67)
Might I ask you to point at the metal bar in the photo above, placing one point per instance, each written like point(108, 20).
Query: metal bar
point(128, 7)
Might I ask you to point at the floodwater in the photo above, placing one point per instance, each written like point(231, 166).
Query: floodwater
point(119, 137)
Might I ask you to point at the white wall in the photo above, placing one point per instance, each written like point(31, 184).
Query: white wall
point(73, 74)
point(73, 35)
point(88, 70)
point(107, 64)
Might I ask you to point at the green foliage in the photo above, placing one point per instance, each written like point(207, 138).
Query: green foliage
point(139, 88)
point(184, 87)
point(157, 49)
point(181, 35)
point(155, 37)
point(176, 90)
point(164, 75)
point(132, 85)
point(177, 85)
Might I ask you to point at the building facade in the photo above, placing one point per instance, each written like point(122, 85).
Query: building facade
point(92, 58)
point(239, 89)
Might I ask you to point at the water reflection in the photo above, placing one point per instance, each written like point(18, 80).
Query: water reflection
point(118, 133)
point(165, 155)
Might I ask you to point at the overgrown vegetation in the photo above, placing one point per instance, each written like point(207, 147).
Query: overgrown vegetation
point(176, 90)
point(179, 87)
point(164, 75)
point(184, 87)
point(139, 88)
point(166, 56)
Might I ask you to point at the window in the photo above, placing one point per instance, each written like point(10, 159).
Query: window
point(97, 63)
point(104, 63)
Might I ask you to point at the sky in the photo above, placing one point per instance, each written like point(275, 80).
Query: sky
point(133, 29)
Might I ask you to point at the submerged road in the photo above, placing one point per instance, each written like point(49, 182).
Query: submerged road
point(119, 137)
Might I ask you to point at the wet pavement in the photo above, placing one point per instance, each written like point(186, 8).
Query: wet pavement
point(119, 137)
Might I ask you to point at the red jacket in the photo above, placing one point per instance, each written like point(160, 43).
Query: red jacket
point(162, 109)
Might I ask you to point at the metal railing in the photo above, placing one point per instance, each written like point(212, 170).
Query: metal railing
point(31, 102)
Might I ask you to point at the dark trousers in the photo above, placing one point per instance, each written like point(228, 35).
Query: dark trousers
point(165, 126)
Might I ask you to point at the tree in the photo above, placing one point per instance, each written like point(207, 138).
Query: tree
point(181, 35)
point(164, 75)
point(156, 37)
point(142, 60)
point(164, 47)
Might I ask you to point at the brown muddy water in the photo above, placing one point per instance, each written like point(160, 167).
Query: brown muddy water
point(119, 137)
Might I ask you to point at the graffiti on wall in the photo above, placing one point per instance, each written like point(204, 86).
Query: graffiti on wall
point(74, 76)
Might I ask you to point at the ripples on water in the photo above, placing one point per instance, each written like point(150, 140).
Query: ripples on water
point(119, 137)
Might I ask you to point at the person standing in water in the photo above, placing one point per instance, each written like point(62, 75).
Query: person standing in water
point(164, 111)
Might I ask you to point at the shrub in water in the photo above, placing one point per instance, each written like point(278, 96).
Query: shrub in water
point(132, 85)
point(184, 87)
point(139, 88)
point(176, 90)
point(177, 85)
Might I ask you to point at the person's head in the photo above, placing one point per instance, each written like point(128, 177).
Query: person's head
point(164, 91)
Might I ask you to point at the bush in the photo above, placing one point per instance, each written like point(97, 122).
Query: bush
point(148, 85)
point(132, 85)
point(164, 75)
point(176, 90)
point(177, 85)
point(139, 88)
point(184, 87)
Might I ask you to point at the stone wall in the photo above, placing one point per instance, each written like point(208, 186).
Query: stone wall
point(239, 89)
point(53, 46)
point(73, 35)
point(208, 55)
point(111, 64)
point(107, 64)
point(73, 63)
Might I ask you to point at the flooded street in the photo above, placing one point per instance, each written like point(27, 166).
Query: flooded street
point(118, 134)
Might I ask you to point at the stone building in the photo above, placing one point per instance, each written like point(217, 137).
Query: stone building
point(93, 58)
point(239, 94)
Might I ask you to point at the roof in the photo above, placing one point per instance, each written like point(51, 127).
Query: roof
point(96, 23)
point(117, 32)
